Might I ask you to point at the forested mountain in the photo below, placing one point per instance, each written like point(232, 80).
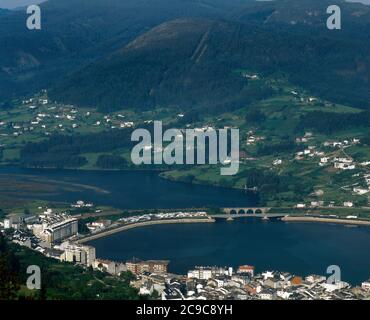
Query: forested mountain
point(202, 63)
point(114, 54)
point(3, 12)
point(186, 62)
point(304, 12)
point(76, 32)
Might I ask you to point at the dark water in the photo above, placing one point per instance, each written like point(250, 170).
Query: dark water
point(300, 248)
point(296, 247)
point(133, 189)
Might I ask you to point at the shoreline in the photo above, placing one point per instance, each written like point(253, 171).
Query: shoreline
point(199, 183)
point(159, 171)
point(139, 225)
point(18, 166)
point(326, 220)
point(109, 232)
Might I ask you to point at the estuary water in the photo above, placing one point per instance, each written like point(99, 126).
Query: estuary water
point(123, 189)
point(300, 248)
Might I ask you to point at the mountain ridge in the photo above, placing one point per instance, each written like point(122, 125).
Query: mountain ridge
point(77, 32)
point(156, 68)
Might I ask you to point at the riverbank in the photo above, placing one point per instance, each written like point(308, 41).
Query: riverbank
point(84, 169)
point(142, 224)
point(326, 220)
point(126, 190)
point(166, 175)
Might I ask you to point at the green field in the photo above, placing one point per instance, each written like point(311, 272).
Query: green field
point(280, 125)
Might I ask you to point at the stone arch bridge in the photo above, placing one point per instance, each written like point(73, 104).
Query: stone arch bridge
point(246, 211)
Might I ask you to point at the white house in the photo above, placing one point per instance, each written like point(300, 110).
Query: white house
point(366, 285)
point(324, 160)
point(360, 191)
point(283, 294)
point(348, 204)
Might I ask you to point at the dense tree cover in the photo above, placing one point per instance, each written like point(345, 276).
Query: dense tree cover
point(191, 116)
point(164, 73)
point(58, 280)
point(255, 116)
point(82, 228)
point(366, 140)
point(3, 11)
point(6, 105)
point(330, 122)
point(80, 31)
point(271, 186)
point(64, 151)
point(9, 271)
point(54, 160)
point(196, 67)
point(107, 161)
point(284, 146)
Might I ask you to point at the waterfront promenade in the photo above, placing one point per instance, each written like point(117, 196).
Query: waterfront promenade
point(326, 220)
point(212, 218)
point(125, 227)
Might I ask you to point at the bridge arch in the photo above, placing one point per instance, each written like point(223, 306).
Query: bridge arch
point(246, 210)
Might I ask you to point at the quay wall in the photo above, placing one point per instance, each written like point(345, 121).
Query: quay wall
point(142, 224)
point(326, 220)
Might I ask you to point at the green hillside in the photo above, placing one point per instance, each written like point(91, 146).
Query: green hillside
point(194, 63)
point(77, 32)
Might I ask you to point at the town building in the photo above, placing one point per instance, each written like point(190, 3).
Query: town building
point(246, 270)
point(81, 254)
point(137, 266)
point(59, 231)
point(202, 274)
point(111, 267)
point(366, 285)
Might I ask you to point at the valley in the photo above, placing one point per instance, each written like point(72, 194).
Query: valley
point(100, 86)
point(287, 160)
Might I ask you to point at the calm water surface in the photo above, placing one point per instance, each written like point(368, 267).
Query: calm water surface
point(134, 189)
point(301, 248)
